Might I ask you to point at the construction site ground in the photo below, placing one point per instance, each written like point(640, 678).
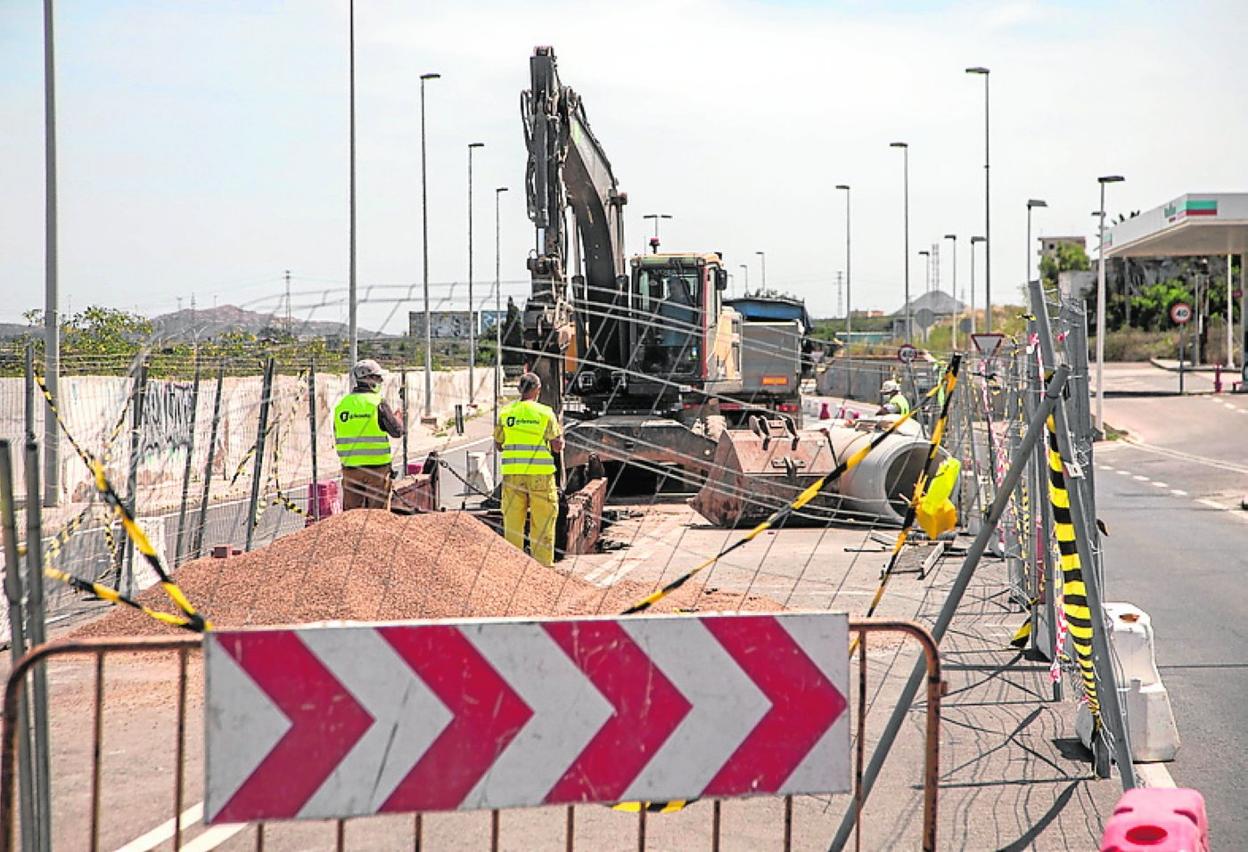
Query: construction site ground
point(1012, 775)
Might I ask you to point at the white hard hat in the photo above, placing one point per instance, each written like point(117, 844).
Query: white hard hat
point(366, 368)
point(890, 386)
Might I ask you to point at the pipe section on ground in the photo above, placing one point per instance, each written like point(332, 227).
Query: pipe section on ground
point(762, 468)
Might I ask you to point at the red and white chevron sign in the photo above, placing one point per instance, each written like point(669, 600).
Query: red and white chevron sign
point(341, 721)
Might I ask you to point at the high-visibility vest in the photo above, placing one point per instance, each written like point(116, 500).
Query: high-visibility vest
point(903, 404)
point(358, 437)
point(524, 424)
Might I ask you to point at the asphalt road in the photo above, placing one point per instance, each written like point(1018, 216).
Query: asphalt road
point(1176, 549)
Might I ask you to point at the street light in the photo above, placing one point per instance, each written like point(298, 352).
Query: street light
point(848, 291)
point(974, 241)
point(1031, 203)
point(498, 311)
point(979, 69)
point(957, 314)
point(51, 294)
point(905, 150)
point(746, 270)
point(763, 255)
point(472, 324)
point(424, 224)
point(352, 325)
point(1100, 308)
point(654, 241)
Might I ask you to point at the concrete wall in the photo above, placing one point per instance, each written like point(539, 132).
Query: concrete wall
point(92, 405)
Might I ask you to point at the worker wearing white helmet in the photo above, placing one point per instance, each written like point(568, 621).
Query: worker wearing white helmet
point(363, 427)
point(892, 400)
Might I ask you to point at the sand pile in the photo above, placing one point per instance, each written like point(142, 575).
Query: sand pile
point(370, 565)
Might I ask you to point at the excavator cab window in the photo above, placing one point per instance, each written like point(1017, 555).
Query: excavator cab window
point(669, 320)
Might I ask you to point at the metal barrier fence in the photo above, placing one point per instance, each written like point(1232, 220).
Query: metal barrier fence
point(100, 651)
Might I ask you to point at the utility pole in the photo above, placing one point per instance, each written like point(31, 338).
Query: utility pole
point(849, 302)
point(905, 150)
point(51, 305)
point(957, 311)
point(1100, 308)
point(288, 325)
point(840, 292)
point(763, 255)
point(498, 310)
point(352, 326)
point(746, 270)
point(980, 70)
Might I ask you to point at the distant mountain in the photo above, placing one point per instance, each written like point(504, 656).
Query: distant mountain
point(211, 322)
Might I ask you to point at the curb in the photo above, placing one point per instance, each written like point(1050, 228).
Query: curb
point(1201, 369)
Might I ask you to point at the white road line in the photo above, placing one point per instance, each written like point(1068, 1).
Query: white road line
point(214, 837)
point(1178, 492)
point(164, 831)
point(1123, 472)
point(1108, 468)
point(1159, 484)
point(1212, 504)
point(1190, 457)
point(1228, 405)
point(1139, 478)
point(1154, 775)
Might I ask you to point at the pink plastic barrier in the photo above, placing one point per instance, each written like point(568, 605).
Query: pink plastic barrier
point(324, 499)
point(1158, 818)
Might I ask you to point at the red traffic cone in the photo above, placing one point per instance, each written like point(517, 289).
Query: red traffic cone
point(824, 414)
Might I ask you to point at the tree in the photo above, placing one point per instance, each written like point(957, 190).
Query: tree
point(1067, 257)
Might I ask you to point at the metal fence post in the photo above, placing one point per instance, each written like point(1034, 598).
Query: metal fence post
point(197, 546)
point(1035, 429)
point(125, 583)
point(29, 396)
point(403, 408)
point(17, 636)
point(266, 393)
point(1102, 660)
point(35, 628)
point(179, 544)
point(315, 508)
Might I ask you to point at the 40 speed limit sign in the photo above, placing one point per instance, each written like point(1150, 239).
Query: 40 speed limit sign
point(1181, 312)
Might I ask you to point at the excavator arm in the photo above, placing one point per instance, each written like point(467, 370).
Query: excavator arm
point(579, 316)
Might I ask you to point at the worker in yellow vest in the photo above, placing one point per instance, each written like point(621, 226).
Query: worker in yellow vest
point(363, 427)
point(528, 437)
point(892, 400)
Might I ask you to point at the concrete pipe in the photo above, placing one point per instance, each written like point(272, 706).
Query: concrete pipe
point(762, 468)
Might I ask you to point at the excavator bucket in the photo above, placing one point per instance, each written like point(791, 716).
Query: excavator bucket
point(764, 467)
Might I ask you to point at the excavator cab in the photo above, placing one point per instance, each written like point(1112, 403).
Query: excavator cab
point(675, 321)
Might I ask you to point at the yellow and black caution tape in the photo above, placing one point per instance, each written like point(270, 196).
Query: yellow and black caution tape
point(113, 596)
point(782, 513)
point(654, 807)
point(947, 384)
point(1074, 592)
point(194, 621)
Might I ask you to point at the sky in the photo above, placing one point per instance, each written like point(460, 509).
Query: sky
point(203, 148)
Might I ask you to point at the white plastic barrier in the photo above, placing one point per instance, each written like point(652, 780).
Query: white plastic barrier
point(1150, 719)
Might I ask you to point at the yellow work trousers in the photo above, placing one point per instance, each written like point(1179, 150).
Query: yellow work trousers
point(525, 493)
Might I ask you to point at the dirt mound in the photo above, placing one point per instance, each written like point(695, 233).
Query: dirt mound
point(370, 565)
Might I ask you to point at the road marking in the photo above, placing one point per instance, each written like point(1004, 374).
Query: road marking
point(1178, 492)
point(164, 831)
point(1123, 472)
point(1108, 468)
point(1139, 478)
point(1159, 484)
point(1190, 457)
point(1154, 775)
point(1228, 405)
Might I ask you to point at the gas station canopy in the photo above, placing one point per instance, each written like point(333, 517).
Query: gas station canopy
point(1205, 224)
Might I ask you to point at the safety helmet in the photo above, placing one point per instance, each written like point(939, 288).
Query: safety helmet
point(366, 368)
point(890, 386)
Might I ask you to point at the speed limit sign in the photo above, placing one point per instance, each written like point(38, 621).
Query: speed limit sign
point(907, 353)
point(1181, 312)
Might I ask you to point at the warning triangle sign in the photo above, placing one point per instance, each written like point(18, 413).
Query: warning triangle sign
point(988, 343)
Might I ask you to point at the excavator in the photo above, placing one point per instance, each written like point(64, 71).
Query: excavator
point(642, 359)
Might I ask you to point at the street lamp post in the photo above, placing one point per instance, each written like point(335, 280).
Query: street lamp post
point(51, 304)
point(1100, 308)
point(905, 150)
point(1031, 203)
point(979, 69)
point(957, 314)
point(654, 241)
point(763, 255)
point(424, 224)
point(352, 325)
point(848, 289)
point(974, 242)
point(498, 309)
point(472, 310)
point(746, 269)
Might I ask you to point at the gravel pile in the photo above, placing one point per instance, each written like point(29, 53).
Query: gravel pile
point(370, 565)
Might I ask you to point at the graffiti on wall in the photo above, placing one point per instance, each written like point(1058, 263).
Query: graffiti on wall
point(167, 412)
